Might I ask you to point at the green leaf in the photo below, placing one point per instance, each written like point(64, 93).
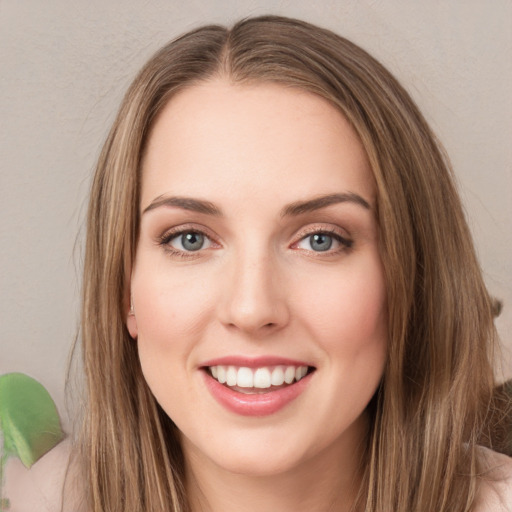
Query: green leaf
point(28, 418)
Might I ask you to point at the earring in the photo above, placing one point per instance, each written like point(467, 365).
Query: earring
point(132, 311)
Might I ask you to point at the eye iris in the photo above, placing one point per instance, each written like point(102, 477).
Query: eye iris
point(192, 241)
point(320, 242)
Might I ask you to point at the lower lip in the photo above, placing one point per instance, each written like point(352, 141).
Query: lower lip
point(262, 404)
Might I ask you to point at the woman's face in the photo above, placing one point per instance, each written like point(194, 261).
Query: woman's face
point(258, 262)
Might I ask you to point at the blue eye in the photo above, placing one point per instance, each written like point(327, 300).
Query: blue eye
point(189, 241)
point(323, 242)
point(320, 242)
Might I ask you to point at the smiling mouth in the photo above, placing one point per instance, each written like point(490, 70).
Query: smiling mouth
point(258, 380)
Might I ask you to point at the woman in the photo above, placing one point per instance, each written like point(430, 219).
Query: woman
point(282, 305)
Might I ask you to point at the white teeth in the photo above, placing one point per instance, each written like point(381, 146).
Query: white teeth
point(221, 374)
point(231, 376)
point(277, 376)
point(244, 378)
point(289, 374)
point(260, 378)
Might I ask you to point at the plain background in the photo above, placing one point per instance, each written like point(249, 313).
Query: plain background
point(64, 66)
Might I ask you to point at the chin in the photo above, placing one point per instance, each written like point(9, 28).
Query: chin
point(268, 452)
point(260, 463)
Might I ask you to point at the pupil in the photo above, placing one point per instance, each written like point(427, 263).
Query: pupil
point(321, 242)
point(192, 241)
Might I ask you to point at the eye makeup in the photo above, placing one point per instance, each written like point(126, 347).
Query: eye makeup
point(191, 241)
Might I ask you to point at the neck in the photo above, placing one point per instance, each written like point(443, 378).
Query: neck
point(328, 481)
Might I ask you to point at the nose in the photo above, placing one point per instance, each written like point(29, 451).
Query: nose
point(254, 297)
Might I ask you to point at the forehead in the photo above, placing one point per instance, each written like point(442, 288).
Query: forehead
point(215, 138)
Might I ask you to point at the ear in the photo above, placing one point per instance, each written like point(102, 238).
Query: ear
point(131, 321)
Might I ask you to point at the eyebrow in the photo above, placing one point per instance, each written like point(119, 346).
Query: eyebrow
point(185, 203)
point(317, 203)
point(292, 209)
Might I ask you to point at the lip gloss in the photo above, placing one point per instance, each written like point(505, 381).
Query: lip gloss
point(257, 404)
point(254, 362)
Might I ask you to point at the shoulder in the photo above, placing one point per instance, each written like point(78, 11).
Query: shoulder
point(40, 487)
point(495, 482)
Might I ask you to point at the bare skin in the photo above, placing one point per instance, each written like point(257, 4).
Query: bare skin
point(274, 189)
point(316, 485)
point(259, 287)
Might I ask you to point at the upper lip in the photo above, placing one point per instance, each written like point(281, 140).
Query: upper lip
point(253, 362)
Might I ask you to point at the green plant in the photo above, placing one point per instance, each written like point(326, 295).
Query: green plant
point(29, 422)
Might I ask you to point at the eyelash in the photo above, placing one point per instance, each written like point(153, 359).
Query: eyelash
point(168, 236)
point(345, 243)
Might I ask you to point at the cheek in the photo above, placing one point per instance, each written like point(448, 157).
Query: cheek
point(349, 313)
point(352, 330)
point(348, 321)
point(171, 312)
point(167, 319)
point(170, 307)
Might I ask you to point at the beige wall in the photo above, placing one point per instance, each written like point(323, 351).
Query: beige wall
point(64, 65)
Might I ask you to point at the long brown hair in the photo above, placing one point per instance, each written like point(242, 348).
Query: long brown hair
point(431, 408)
